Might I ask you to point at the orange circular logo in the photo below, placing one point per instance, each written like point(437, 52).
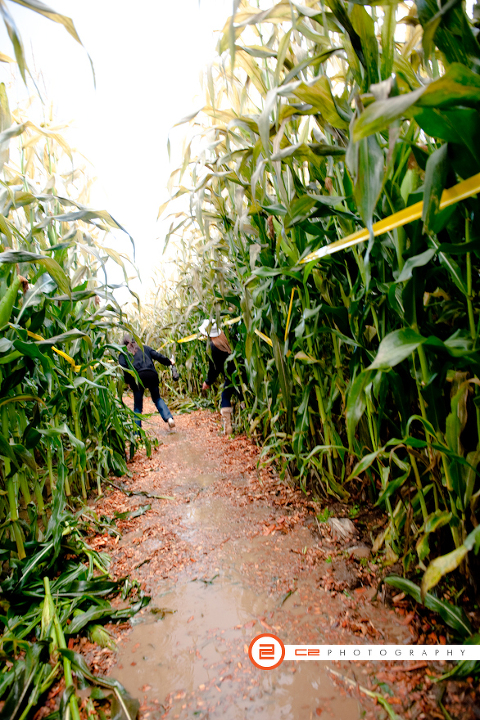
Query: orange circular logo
point(266, 651)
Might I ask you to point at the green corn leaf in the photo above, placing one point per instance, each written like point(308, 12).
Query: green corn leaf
point(454, 617)
point(388, 45)
point(414, 262)
point(283, 374)
point(446, 563)
point(343, 18)
point(96, 588)
point(23, 681)
point(24, 456)
point(396, 347)
point(365, 463)
point(459, 86)
point(382, 113)
point(21, 398)
point(51, 265)
point(103, 612)
point(319, 95)
point(457, 126)
point(436, 520)
point(64, 337)
point(102, 637)
point(15, 38)
point(365, 159)
point(6, 450)
point(392, 487)
point(5, 345)
point(65, 430)
point(44, 10)
point(435, 181)
point(35, 562)
point(466, 668)
point(357, 402)
point(79, 663)
point(365, 27)
point(133, 513)
point(64, 706)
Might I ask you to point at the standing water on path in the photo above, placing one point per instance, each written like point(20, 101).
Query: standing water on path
point(187, 654)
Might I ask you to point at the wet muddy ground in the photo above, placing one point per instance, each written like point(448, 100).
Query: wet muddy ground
point(235, 553)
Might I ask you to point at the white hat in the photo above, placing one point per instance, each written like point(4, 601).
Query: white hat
point(213, 332)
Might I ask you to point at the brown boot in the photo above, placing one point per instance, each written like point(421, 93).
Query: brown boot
point(227, 420)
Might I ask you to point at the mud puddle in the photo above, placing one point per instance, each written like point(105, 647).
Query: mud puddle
point(236, 553)
point(187, 655)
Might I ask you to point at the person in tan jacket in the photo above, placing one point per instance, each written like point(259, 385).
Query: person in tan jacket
point(217, 364)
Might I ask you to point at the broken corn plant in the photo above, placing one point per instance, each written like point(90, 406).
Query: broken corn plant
point(320, 120)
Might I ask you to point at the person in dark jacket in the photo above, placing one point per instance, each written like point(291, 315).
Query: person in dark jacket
point(142, 361)
point(219, 351)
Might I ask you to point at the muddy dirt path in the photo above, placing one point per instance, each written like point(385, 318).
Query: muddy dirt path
point(232, 555)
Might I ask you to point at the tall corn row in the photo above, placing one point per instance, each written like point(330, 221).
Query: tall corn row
point(63, 426)
point(59, 402)
point(321, 119)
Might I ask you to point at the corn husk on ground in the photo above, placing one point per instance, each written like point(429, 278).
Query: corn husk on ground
point(362, 365)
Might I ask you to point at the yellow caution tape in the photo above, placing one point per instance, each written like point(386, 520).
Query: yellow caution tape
point(452, 195)
point(197, 335)
point(230, 322)
point(69, 359)
point(263, 336)
point(190, 337)
point(267, 340)
point(289, 314)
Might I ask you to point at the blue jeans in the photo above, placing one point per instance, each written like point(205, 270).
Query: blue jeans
point(227, 393)
point(150, 382)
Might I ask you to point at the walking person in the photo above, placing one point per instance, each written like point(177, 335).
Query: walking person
point(142, 361)
point(219, 351)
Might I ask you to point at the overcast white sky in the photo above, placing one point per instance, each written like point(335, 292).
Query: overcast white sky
point(148, 57)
